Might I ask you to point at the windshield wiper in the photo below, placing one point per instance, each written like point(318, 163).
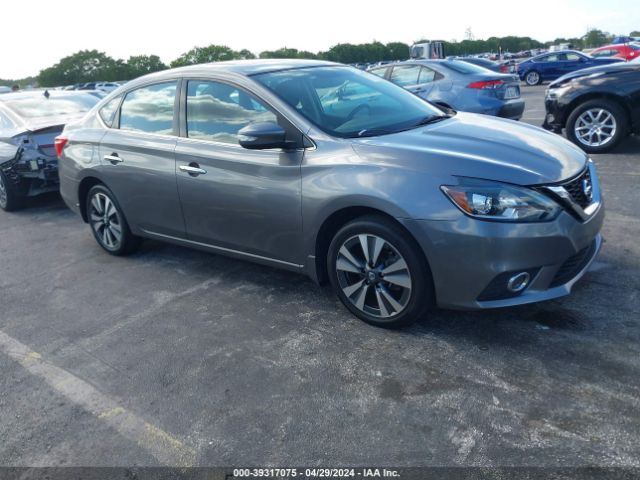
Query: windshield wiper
point(430, 119)
point(372, 132)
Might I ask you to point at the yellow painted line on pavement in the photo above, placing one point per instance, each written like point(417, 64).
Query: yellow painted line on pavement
point(167, 449)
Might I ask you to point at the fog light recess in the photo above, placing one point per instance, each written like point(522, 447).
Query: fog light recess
point(518, 282)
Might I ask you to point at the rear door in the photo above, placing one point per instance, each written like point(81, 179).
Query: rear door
point(245, 201)
point(415, 78)
point(138, 157)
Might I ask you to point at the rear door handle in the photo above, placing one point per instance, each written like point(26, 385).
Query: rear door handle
point(192, 170)
point(113, 158)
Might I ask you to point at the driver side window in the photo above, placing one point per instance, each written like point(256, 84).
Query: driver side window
point(216, 111)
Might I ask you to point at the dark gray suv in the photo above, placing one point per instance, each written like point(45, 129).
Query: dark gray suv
point(323, 169)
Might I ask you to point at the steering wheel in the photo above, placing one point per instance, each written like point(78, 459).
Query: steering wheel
point(356, 110)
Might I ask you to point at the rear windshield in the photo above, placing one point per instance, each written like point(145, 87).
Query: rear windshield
point(35, 107)
point(465, 68)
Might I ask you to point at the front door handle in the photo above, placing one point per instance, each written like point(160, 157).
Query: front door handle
point(113, 158)
point(192, 169)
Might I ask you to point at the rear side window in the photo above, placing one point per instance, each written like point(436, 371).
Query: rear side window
point(108, 112)
point(217, 111)
point(379, 71)
point(427, 75)
point(405, 76)
point(149, 109)
point(573, 57)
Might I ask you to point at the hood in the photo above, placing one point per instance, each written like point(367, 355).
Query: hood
point(479, 146)
point(600, 69)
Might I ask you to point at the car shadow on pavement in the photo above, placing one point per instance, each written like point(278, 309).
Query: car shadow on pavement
point(630, 146)
point(511, 326)
point(47, 202)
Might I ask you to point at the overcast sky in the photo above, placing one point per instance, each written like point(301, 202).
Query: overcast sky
point(35, 35)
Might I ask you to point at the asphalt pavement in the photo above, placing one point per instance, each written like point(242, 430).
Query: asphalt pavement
point(178, 357)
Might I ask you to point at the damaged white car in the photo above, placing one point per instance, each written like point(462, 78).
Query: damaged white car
point(29, 123)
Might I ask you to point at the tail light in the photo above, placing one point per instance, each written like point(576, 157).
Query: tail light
point(59, 143)
point(486, 84)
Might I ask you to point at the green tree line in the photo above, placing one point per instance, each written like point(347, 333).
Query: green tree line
point(92, 65)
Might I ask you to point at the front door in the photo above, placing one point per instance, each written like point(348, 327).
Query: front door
point(237, 199)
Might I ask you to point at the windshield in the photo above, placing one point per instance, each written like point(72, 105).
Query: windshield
point(40, 106)
point(346, 102)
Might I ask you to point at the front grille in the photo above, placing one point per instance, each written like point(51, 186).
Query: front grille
point(576, 190)
point(573, 265)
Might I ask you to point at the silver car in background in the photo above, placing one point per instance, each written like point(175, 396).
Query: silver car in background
point(326, 170)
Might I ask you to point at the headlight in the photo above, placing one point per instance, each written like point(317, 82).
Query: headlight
point(502, 202)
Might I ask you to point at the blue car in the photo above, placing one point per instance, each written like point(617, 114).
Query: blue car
point(458, 85)
point(553, 65)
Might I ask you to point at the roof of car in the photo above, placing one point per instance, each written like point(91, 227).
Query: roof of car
point(556, 52)
point(253, 67)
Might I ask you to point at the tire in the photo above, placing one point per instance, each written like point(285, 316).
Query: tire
point(533, 78)
point(597, 126)
point(108, 223)
point(10, 200)
point(365, 289)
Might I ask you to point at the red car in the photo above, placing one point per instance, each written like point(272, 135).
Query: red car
point(627, 51)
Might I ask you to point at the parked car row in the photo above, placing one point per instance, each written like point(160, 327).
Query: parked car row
point(102, 86)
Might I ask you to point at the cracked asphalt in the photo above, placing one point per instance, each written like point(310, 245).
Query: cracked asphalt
point(178, 354)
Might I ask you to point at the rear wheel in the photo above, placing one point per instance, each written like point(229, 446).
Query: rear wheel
point(378, 273)
point(597, 126)
point(108, 223)
point(9, 198)
point(533, 78)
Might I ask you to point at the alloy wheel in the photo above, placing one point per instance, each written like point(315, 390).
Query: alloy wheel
point(533, 78)
point(374, 276)
point(595, 127)
point(106, 221)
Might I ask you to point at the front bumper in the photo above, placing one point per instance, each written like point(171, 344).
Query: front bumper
point(466, 255)
point(512, 109)
point(554, 118)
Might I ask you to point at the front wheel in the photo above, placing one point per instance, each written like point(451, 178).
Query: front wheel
point(9, 198)
point(378, 273)
point(597, 126)
point(532, 79)
point(108, 223)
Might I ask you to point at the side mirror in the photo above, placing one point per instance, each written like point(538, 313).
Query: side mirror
point(262, 135)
